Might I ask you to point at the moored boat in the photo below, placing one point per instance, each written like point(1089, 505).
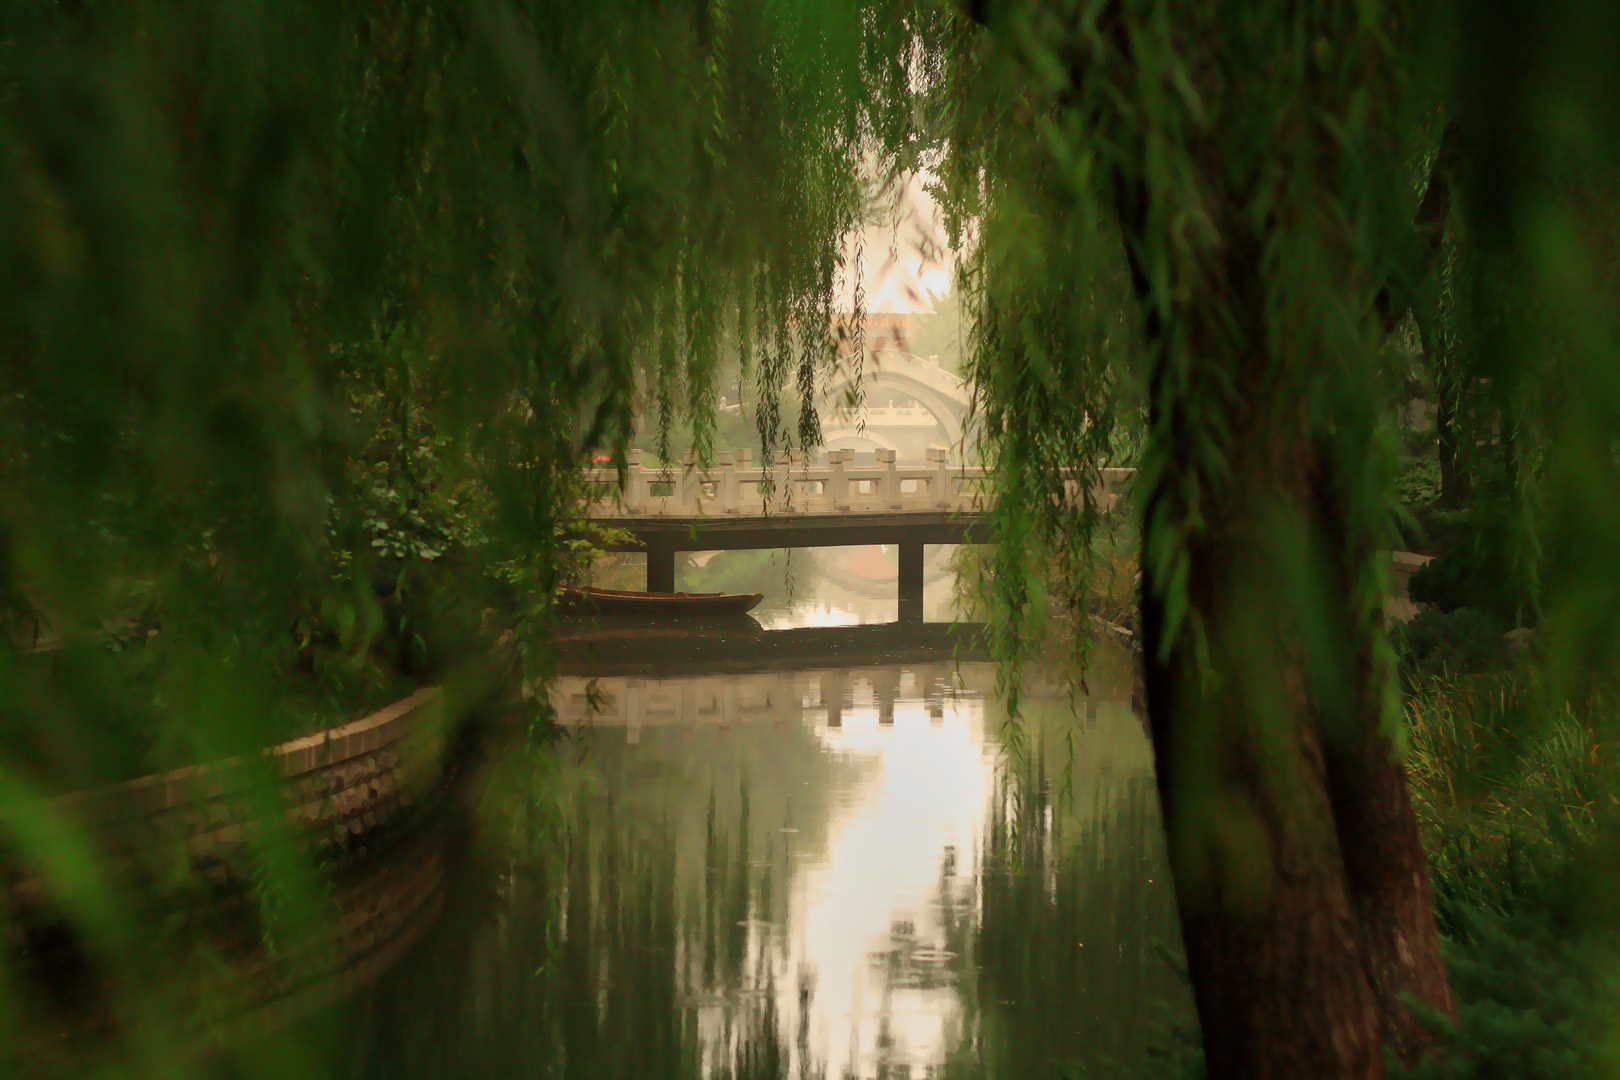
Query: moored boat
point(585, 600)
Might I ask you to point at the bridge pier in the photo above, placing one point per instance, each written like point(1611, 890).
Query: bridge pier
point(832, 697)
point(911, 581)
point(660, 568)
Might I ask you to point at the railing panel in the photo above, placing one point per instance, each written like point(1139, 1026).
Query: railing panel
point(733, 486)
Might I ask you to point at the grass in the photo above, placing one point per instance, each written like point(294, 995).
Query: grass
point(1516, 795)
point(1497, 768)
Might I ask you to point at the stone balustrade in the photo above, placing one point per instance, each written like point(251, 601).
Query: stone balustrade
point(734, 485)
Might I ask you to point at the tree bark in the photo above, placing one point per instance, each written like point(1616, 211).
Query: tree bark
point(1300, 874)
point(1387, 877)
point(1455, 485)
point(1272, 938)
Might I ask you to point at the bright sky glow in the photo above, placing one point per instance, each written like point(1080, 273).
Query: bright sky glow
point(904, 257)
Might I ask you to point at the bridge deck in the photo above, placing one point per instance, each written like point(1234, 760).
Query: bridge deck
point(731, 533)
point(839, 504)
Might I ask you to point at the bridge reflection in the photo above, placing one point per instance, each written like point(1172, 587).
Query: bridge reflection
point(721, 675)
point(685, 647)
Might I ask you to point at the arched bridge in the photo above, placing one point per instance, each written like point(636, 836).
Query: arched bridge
point(943, 396)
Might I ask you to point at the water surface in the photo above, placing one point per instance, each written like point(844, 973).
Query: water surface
point(802, 870)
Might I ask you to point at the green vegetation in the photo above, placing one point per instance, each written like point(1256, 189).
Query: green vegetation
point(310, 310)
point(1516, 795)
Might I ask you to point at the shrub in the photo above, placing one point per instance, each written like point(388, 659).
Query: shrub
point(1485, 567)
point(1418, 482)
point(1461, 641)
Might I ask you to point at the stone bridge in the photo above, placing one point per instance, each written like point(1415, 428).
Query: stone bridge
point(736, 504)
point(940, 395)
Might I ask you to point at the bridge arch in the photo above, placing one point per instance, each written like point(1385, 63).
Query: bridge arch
point(944, 395)
point(846, 436)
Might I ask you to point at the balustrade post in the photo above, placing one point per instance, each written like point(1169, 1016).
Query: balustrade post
point(797, 460)
point(744, 457)
point(943, 490)
point(635, 483)
point(689, 485)
point(837, 483)
point(889, 486)
point(725, 489)
point(782, 481)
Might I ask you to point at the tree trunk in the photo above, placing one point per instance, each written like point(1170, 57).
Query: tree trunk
point(1387, 875)
point(1272, 938)
point(1455, 485)
point(1299, 870)
point(1300, 873)
point(1454, 478)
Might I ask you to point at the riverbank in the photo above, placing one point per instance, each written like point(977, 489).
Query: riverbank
point(242, 895)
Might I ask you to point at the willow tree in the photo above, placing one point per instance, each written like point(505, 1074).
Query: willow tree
point(217, 220)
point(1211, 207)
point(266, 265)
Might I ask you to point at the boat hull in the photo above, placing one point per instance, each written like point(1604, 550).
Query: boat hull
point(624, 602)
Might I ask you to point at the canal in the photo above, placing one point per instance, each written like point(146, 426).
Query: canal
point(838, 865)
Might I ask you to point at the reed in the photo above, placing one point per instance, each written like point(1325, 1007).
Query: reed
point(1514, 789)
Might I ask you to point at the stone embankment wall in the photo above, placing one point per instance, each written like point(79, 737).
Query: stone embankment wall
point(362, 797)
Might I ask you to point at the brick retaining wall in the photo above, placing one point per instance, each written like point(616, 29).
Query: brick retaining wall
point(366, 796)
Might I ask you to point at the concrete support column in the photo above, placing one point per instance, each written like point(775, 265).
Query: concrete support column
point(886, 687)
point(832, 697)
point(660, 568)
point(911, 581)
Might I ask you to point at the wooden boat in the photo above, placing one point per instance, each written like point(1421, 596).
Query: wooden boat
point(638, 633)
point(626, 602)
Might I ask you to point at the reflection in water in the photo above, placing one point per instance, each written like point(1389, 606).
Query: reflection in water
point(1071, 935)
point(837, 874)
point(837, 586)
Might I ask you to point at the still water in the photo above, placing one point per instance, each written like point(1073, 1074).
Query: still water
point(850, 586)
point(840, 869)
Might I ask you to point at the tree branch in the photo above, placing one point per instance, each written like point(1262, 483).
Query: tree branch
point(1428, 228)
